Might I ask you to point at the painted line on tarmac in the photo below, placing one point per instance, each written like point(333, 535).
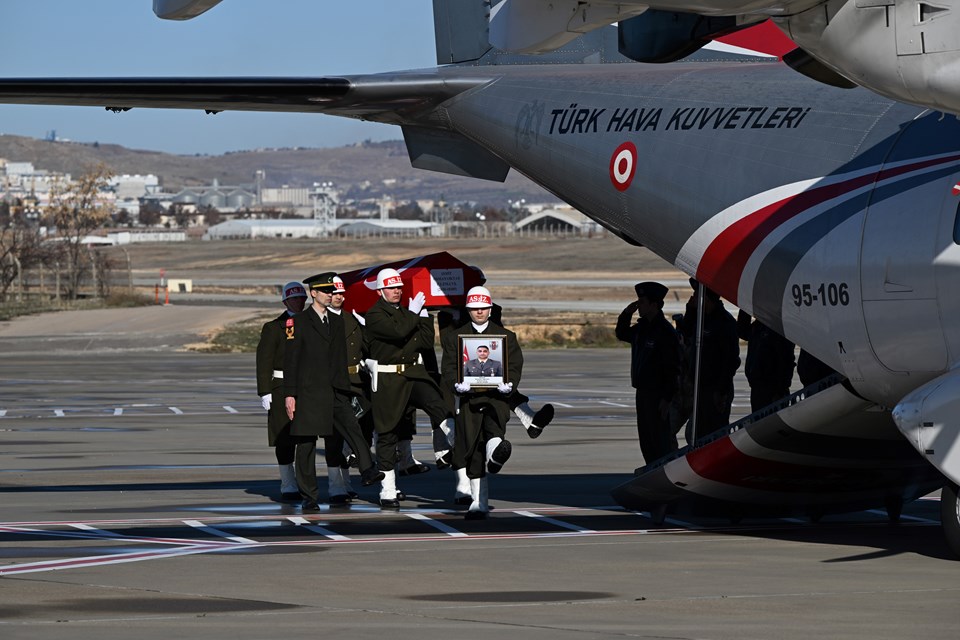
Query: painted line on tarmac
point(93, 561)
point(99, 534)
point(58, 413)
point(229, 409)
point(3, 413)
point(553, 521)
point(613, 404)
point(562, 404)
point(176, 411)
point(218, 532)
point(303, 522)
point(436, 524)
point(118, 411)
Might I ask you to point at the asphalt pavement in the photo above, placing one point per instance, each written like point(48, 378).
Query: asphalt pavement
point(140, 499)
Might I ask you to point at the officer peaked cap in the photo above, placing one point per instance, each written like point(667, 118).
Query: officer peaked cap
point(321, 281)
point(653, 291)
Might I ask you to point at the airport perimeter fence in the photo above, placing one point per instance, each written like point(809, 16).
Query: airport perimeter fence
point(493, 230)
point(52, 287)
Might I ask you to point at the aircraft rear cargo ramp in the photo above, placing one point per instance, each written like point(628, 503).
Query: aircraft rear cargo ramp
point(822, 450)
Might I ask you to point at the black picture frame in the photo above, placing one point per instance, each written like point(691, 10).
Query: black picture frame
point(482, 372)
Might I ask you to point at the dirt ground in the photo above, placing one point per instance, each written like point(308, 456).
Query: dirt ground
point(597, 269)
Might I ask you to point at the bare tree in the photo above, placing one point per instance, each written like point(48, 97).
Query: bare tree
point(76, 209)
point(20, 244)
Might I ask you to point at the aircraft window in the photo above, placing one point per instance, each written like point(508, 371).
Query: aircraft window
point(956, 227)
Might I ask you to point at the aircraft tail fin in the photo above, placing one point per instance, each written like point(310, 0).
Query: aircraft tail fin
point(462, 30)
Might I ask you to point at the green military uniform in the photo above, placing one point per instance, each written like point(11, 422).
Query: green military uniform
point(395, 336)
point(483, 413)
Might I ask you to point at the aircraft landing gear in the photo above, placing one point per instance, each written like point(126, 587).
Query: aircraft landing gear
point(894, 506)
point(950, 516)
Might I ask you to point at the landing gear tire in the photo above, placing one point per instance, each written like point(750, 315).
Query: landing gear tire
point(950, 516)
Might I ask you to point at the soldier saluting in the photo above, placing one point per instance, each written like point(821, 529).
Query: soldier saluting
point(317, 388)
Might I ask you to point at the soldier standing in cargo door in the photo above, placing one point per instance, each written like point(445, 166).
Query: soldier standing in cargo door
point(270, 387)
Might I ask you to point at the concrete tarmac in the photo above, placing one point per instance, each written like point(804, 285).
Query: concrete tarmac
point(140, 500)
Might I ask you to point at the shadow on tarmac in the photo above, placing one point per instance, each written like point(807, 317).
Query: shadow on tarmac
point(584, 495)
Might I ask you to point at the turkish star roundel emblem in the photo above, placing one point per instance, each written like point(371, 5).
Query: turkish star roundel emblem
point(623, 166)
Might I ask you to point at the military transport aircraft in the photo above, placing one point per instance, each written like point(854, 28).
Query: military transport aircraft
point(829, 214)
point(908, 50)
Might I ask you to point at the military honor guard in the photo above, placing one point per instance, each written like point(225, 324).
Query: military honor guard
point(317, 388)
point(338, 465)
point(480, 445)
point(533, 421)
point(270, 351)
point(394, 336)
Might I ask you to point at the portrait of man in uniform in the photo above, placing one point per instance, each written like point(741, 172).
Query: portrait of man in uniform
point(483, 360)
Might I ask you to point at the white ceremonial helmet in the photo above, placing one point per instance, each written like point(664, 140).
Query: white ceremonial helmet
point(389, 278)
point(338, 286)
point(293, 290)
point(479, 298)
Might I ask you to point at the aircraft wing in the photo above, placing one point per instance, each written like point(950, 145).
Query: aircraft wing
point(827, 452)
point(383, 97)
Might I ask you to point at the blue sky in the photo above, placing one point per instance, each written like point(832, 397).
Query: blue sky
point(77, 38)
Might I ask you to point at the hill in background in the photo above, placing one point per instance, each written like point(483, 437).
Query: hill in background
point(360, 170)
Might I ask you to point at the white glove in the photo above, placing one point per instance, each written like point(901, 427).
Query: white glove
point(361, 365)
point(505, 388)
point(360, 318)
point(417, 302)
point(461, 387)
point(424, 313)
point(265, 400)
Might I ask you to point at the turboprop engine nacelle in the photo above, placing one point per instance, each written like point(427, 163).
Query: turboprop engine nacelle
point(908, 50)
point(930, 419)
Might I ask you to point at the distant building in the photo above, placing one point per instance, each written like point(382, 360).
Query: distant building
point(244, 229)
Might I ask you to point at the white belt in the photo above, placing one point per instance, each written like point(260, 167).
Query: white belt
point(392, 368)
point(278, 373)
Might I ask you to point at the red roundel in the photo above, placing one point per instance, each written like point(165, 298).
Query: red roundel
point(623, 166)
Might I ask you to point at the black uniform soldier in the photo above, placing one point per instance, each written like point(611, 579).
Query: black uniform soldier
point(335, 450)
point(394, 337)
point(770, 361)
point(654, 368)
point(480, 445)
point(719, 360)
point(270, 387)
point(318, 389)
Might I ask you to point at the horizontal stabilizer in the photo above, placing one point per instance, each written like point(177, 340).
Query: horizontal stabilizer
point(449, 152)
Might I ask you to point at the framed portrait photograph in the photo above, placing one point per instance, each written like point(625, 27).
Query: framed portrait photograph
point(484, 360)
